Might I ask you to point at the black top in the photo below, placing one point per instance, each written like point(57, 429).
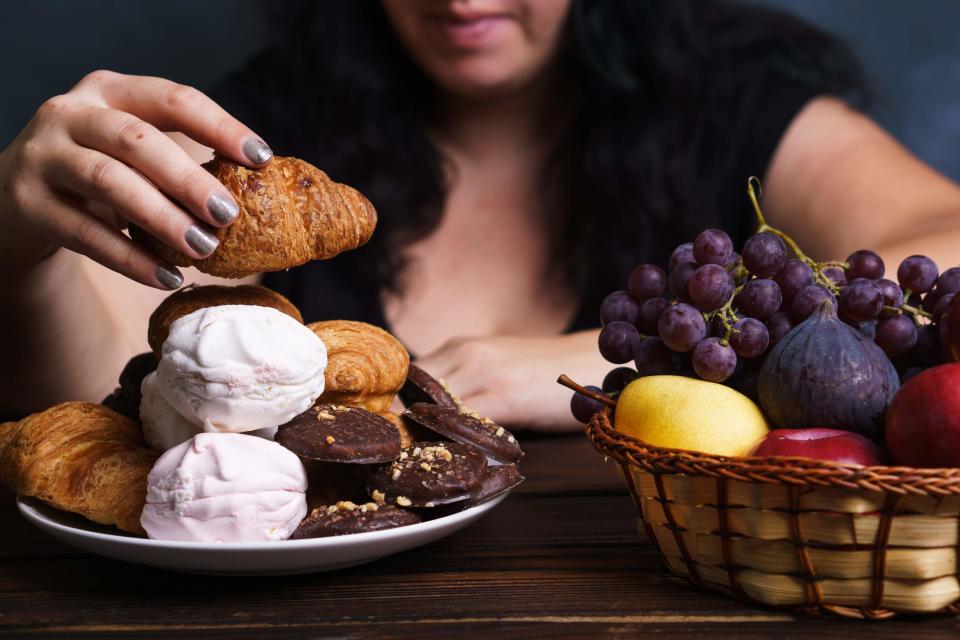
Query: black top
point(336, 289)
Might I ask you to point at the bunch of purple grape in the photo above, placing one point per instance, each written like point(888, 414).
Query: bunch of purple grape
point(715, 313)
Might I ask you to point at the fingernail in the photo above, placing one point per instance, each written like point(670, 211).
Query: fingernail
point(201, 240)
point(222, 208)
point(170, 277)
point(257, 151)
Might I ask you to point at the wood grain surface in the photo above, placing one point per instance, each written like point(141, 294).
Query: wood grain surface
point(560, 558)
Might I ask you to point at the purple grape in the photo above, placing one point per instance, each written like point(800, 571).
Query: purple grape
point(927, 351)
point(759, 299)
point(619, 306)
point(650, 312)
point(746, 383)
point(679, 277)
point(917, 273)
point(861, 300)
point(794, 276)
point(681, 327)
point(835, 275)
point(764, 254)
point(897, 335)
point(949, 281)
point(712, 246)
point(892, 296)
point(653, 358)
point(806, 302)
point(617, 379)
point(867, 328)
point(710, 287)
point(584, 408)
point(749, 338)
point(646, 281)
point(618, 341)
point(713, 360)
point(683, 253)
point(864, 264)
point(778, 326)
point(941, 306)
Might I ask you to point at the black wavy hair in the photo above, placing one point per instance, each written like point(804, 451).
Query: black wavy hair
point(672, 96)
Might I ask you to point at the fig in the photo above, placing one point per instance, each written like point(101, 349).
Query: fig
point(825, 373)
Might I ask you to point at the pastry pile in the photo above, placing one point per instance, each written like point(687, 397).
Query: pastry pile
point(244, 424)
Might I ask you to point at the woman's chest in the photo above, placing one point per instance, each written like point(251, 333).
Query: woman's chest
point(485, 270)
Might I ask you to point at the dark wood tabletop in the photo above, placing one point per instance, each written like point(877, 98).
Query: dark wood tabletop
point(560, 557)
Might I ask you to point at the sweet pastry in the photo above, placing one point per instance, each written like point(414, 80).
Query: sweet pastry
point(290, 213)
point(337, 433)
point(125, 399)
point(190, 298)
point(346, 517)
point(79, 457)
point(366, 366)
point(420, 386)
point(409, 431)
point(240, 368)
point(225, 487)
point(429, 474)
point(484, 434)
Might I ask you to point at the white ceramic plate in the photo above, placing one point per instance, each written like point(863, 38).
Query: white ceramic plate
point(246, 559)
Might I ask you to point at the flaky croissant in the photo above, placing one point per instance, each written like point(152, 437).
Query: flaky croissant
point(79, 457)
point(366, 366)
point(189, 299)
point(290, 213)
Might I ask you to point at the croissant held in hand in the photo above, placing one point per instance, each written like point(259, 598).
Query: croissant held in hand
point(290, 213)
point(79, 457)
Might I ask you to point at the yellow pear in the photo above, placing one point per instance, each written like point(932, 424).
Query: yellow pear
point(684, 413)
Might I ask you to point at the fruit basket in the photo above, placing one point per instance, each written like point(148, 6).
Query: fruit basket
point(795, 533)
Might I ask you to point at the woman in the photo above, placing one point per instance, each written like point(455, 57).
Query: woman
point(522, 154)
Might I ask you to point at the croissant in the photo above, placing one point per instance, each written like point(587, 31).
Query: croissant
point(410, 432)
point(189, 299)
point(366, 366)
point(79, 457)
point(290, 213)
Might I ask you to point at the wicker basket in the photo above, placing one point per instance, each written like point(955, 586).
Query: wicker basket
point(805, 535)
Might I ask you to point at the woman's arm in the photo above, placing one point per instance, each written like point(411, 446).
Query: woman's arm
point(89, 163)
point(838, 183)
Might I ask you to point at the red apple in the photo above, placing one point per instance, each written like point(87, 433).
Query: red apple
point(950, 329)
point(923, 421)
point(820, 444)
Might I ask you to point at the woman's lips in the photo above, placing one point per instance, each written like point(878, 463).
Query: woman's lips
point(468, 32)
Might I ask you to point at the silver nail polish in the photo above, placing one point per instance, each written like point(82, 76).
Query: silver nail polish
point(201, 240)
point(257, 151)
point(170, 277)
point(223, 208)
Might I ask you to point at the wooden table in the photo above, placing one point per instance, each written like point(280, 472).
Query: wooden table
point(559, 558)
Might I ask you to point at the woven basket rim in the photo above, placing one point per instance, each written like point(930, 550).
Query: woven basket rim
point(626, 449)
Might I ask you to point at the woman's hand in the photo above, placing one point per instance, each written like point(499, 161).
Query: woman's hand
point(512, 379)
point(95, 159)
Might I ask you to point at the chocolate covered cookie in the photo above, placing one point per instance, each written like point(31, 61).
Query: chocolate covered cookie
point(429, 474)
point(422, 387)
point(125, 399)
point(336, 433)
point(484, 434)
point(347, 517)
point(497, 480)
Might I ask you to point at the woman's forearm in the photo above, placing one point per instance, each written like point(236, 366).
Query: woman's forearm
point(59, 339)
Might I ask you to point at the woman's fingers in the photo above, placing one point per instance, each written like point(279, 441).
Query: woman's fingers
point(84, 233)
point(149, 151)
point(99, 177)
point(175, 107)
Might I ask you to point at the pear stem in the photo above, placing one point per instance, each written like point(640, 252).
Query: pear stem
point(593, 395)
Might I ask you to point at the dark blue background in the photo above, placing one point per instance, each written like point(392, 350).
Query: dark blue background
point(911, 51)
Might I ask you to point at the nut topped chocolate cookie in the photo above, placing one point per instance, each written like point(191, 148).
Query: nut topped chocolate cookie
point(336, 433)
point(346, 517)
point(429, 474)
point(422, 387)
point(484, 434)
point(125, 399)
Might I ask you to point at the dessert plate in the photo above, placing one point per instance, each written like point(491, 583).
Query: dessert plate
point(285, 557)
